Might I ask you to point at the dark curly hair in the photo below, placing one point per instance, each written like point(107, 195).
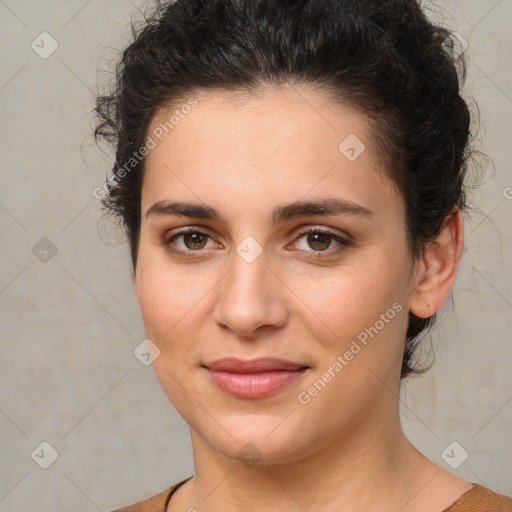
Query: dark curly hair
point(384, 57)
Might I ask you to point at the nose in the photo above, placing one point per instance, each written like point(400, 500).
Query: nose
point(251, 297)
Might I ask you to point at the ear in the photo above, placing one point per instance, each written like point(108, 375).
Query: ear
point(437, 270)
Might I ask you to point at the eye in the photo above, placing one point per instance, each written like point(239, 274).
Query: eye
point(320, 241)
point(193, 240)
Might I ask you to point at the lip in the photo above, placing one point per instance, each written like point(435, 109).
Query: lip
point(261, 364)
point(256, 378)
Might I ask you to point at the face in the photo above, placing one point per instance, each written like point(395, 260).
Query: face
point(242, 275)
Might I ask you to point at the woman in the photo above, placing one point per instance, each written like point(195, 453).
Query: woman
point(290, 176)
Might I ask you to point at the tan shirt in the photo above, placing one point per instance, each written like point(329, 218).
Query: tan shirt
point(477, 499)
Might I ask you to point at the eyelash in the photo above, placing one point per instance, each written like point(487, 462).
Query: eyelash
point(314, 253)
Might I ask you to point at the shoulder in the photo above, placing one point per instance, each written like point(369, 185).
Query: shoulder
point(481, 499)
point(157, 503)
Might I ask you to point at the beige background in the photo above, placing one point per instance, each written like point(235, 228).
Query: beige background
point(69, 325)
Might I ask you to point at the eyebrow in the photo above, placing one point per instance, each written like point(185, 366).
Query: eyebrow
point(329, 206)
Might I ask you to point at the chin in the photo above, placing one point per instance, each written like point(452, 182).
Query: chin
point(261, 440)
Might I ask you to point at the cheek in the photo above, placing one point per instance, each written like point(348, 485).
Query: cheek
point(167, 297)
point(352, 298)
point(174, 305)
point(367, 313)
point(171, 312)
point(361, 315)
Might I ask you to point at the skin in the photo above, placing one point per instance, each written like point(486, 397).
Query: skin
point(245, 155)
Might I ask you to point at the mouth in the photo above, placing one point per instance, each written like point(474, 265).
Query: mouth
point(256, 378)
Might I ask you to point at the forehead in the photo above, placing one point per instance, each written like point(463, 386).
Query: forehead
point(279, 105)
point(277, 141)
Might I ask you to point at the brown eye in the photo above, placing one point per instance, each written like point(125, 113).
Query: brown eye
point(187, 242)
point(319, 241)
point(194, 240)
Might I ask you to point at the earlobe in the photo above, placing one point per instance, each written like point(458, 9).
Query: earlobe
point(438, 270)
